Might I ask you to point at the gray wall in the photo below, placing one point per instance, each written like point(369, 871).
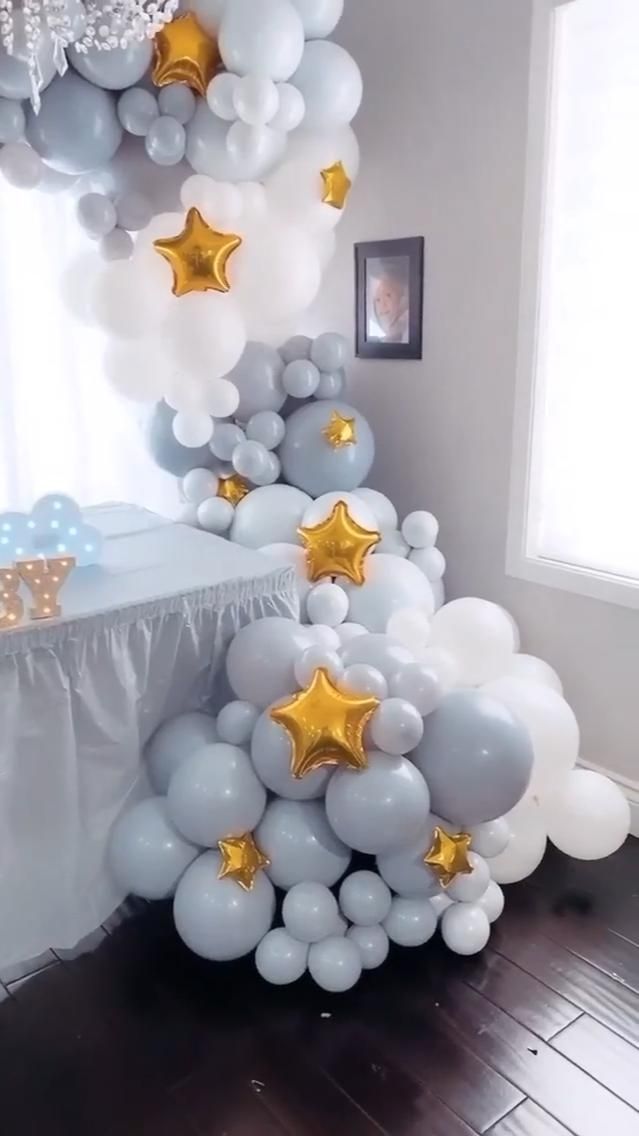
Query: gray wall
point(443, 138)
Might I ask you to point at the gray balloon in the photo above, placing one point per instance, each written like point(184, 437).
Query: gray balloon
point(372, 944)
point(476, 757)
point(300, 378)
point(113, 70)
point(165, 141)
point(335, 964)
point(258, 378)
point(134, 211)
point(147, 856)
point(207, 152)
point(331, 385)
point(250, 460)
point(12, 120)
point(310, 912)
point(167, 452)
point(364, 898)
point(178, 101)
point(271, 756)
point(298, 347)
point(310, 462)
point(217, 919)
point(215, 793)
point(404, 869)
point(411, 922)
point(96, 214)
point(266, 427)
point(116, 245)
point(280, 958)
point(137, 109)
point(226, 438)
point(380, 808)
point(15, 80)
point(299, 842)
point(77, 128)
point(330, 351)
point(174, 742)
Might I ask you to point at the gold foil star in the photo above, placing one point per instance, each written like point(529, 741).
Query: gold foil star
point(198, 256)
point(340, 431)
point(325, 725)
point(241, 860)
point(337, 185)
point(233, 489)
point(448, 856)
point(184, 53)
point(338, 546)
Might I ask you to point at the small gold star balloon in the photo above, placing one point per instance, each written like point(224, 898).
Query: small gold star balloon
point(325, 725)
point(337, 185)
point(184, 53)
point(338, 546)
point(340, 431)
point(241, 860)
point(448, 855)
point(233, 489)
point(198, 256)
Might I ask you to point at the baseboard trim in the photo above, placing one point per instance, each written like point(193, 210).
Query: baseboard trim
point(630, 789)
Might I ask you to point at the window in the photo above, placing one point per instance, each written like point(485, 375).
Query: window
point(62, 427)
point(575, 495)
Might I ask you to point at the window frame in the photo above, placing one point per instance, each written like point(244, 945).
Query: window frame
point(520, 561)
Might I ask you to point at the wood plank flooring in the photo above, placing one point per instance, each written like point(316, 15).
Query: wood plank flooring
point(131, 1035)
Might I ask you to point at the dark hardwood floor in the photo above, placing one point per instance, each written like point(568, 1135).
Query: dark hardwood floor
point(131, 1035)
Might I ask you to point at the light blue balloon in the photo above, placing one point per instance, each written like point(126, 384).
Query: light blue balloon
point(82, 541)
point(266, 427)
point(300, 378)
point(250, 460)
point(167, 452)
point(16, 537)
point(146, 855)
point(54, 512)
point(258, 378)
point(77, 128)
point(134, 211)
point(137, 109)
point(12, 120)
point(165, 141)
point(178, 101)
point(96, 214)
point(331, 384)
point(15, 80)
point(113, 70)
point(297, 347)
point(310, 462)
point(207, 152)
point(330, 351)
point(226, 438)
point(217, 918)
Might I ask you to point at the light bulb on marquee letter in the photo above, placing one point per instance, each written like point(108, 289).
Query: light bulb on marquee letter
point(11, 605)
point(44, 579)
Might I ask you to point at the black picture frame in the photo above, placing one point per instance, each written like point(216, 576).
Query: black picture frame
point(396, 269)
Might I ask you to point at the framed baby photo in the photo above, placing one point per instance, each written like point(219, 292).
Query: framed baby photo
point(389, 291)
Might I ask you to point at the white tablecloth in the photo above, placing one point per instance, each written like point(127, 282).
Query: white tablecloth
point(139, 640)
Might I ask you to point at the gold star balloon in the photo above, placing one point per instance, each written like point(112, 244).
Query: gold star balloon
point(340, 431)
point(448, 856)
point(325, 725)
point(337, 185)
point(184, 53)
point(233, 489)
point(241, 860)
point(338, 546)
point(198, 256)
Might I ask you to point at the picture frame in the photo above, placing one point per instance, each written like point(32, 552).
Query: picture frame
point(389, 298)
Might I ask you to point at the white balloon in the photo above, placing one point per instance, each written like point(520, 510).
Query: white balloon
point(206, 333)
point(291, 109)
point(393, 544)
point(328, 604)
point(293, 555)
point(221, 398)
point(127, 301)
point(391, 584)
point(323, 636)
point(348, 631)
point(382, 652)
point(215, 515)
point(364, 898)
point(331, 83)
point(325, 147)
point(465, 928)
point(417, 684)
point(220, 203)
point(311, 661)
point(136, 369)
point(440, 903)
point(409, 626)
point(553, 728)
point(319, 17)
point(280, 958)
point(256, 100)
point(410, 922)
point(430, 561)
point(372, 944)
point(300, 844)
point(260, 663)
point(218, 919)
point(534, 670)
point(198, 485)
point(271, 514)
point(20, 165)
point(192, 429)
point(310, 912)
point(261, 37)
point(275, 273)
point(479, 634)
point(364, 679)
point(321, 508)
point(381, 506)
point(209, 13)
point(586, 814)
point(220, 95)
point(467, 888)
point(173, 742)
point(444, 663)
point(146, 854)
point(396, 726)
point(492, 901)
point(490, 838)
point(380, 808)
point(420, 529)
point(526, 844)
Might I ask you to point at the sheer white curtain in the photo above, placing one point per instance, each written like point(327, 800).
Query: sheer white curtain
point(585, 441)
point(62, 427)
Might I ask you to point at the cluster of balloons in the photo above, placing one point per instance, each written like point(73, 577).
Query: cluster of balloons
point(54, 527)
point(444, 756)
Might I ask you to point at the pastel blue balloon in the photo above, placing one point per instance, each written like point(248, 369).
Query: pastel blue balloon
point(113, 70)
point(16, 537)
point(54, 512)
point(309, 460)
point(12, 120)
point(266, 427)
point(165, 141)
point(84, 542)
point(96, 214)
point(300, 378)
point(178, 101)
point(297, 347)
point(137, 109)
point(331, 384)
point(146, 855)
point(330, 351)
point(77, 128)
point(167, 452)
point(258, 378)
point(250, 460)
point(226, 438)
point(15, 80)
point(207, 152)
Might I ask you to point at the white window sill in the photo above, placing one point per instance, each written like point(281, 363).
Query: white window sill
point(589, 582)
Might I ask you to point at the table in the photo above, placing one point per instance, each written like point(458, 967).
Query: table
point(140, 639)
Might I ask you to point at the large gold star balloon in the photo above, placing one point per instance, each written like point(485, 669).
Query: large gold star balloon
point(448, 856)
point(325, 725)
point(241, 860)
point(337, 185)
point(338, 546)
point(340, 431)
point(184, 53)
point(233, 489)
point(198, 256)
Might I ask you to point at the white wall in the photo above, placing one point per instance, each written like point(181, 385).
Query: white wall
point(443, 137)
